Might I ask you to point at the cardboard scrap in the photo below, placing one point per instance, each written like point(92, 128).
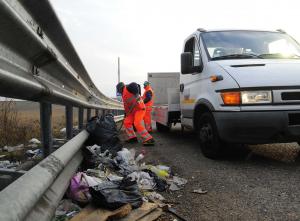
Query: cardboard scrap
point(153, 215)
point(141, 212)
point(91, 213)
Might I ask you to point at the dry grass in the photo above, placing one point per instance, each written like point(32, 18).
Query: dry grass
point(18, 124)
point(12, 129)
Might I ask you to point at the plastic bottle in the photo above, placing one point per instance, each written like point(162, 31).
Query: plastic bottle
point(160, 173)
point(139, 157)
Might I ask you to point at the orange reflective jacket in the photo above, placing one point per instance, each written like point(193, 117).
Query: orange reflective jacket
point(132, 102)
point(150, 103)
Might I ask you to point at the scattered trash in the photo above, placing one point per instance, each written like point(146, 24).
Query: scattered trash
point(176, 183)
point(103, 132)
point(165, 168)
point(154, 197)
point(112, 177)
point(79, 189)
point(167, 208)
point(145, 182)
point(38, 153)
point(174, 187)
point(91, 213)
point(63, 130)
point(14, 148)
point(6, 164)
point(199, 191)
point(113, 195)
point(159, 172)
point(66, 210)
point(34, 141)
point(139, 158)
point(115, 180)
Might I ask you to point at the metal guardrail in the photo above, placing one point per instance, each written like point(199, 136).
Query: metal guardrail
point(39, 63)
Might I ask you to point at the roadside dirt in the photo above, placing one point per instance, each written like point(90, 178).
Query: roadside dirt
point(261, 184)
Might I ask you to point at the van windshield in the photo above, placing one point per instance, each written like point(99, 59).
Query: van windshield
point(250, 44)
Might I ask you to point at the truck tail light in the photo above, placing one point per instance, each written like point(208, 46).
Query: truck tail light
point(231, 98)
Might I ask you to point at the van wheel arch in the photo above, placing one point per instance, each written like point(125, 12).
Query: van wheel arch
point(202, 107)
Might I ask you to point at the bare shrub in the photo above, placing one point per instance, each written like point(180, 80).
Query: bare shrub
point(13, 130)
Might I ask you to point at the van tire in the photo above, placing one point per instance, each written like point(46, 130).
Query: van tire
point(210, 143)
point(162, 128)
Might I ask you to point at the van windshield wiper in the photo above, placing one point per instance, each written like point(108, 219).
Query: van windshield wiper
point(280, 56)
point(237, 56)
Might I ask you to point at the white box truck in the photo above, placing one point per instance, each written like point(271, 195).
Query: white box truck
point(166, 108)
point(236, 86)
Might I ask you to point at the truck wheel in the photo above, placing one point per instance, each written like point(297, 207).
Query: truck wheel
point(210, 143)
point(162, 128)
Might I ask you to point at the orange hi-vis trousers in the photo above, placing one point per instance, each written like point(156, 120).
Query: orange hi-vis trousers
point(147, 119)
point(136, 118)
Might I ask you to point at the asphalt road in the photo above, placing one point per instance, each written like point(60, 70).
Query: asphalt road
point(262, 184)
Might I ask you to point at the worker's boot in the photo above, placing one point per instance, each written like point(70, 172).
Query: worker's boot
point(132, 140)
point(149, 142)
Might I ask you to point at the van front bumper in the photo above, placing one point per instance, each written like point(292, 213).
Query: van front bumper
point(258, 127)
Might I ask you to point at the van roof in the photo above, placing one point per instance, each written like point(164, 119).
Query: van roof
point(214, 30)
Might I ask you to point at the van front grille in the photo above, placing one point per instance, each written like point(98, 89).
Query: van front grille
point(290, 96)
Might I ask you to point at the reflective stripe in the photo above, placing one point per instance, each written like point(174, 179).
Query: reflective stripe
point(147, 137)
point(130, 99)
point(144, 131)
point(130, 132)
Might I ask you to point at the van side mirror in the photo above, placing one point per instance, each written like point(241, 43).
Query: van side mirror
point(187, 64)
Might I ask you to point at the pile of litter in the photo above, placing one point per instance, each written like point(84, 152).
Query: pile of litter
point(120, 185)
point(115, 184)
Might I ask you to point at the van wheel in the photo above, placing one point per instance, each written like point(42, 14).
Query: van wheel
point(210, 143)
point(162, 128)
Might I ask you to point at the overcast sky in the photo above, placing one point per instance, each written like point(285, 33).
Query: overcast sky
point(148, 34)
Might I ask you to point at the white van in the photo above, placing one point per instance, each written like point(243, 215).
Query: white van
point(240, 86)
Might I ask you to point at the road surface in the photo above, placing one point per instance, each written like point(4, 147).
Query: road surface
point(242, 186)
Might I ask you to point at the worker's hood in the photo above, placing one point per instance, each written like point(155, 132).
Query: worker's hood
point(263, 72)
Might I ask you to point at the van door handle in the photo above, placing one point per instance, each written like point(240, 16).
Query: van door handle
point(181, 88)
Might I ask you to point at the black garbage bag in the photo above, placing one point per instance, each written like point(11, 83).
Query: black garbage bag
point(113, 195)
point(160, 184)
point(103, 132)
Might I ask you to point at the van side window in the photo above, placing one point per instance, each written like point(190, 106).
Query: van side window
point(192, 46)
point(196, 54)
point(189, 46)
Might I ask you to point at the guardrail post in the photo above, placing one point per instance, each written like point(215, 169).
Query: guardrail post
point(97, 112)
point(80, 118)
point(46, 127)
point(69, 122)
point(88, 114)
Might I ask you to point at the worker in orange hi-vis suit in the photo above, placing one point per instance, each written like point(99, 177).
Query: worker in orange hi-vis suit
point(134, 113)
point(148, 98)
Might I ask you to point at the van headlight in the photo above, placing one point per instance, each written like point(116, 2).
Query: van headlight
point(256, 97)
point(236, 98)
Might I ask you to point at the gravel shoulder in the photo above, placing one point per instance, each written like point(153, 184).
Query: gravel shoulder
point(262, 184)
